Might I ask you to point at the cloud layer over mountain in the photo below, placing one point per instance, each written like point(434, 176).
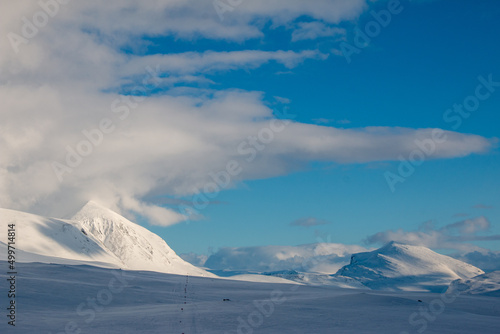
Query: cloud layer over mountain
point(324, 258)
point(84, 119)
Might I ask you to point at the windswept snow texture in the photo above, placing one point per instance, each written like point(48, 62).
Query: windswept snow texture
point(85, 299)
point(403, 267)
point(134, 245)
point(94, 236)
point(48, 239)
point(486, 284)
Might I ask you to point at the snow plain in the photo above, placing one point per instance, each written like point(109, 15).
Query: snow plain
point(54, 298)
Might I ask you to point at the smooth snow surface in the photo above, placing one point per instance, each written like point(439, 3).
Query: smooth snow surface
point(260, 279)
point(109, 301)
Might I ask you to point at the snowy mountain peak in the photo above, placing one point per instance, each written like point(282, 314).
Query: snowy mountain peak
point(394, 244)
point(93, 210)
point(137, 247)
point(399, 248)
point(399, 266)
point(95, 235)
point(93, 205)
point(54, 240)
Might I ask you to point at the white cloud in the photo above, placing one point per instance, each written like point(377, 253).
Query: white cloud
point(156, 215)
point(116, 20)
point(314, 30)
point(194, 62)
point(168, 145)
point(483, 206)
point(308, 222)
point(195, 259)
point(321, 258)
point(64, 82)
point(455, 236)
point(486, 260)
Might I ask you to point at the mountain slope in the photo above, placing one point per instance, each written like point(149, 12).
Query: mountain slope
point(403, 267)
point(48, 239)
point(95, 236)
point(135, 246)
point(486, 284)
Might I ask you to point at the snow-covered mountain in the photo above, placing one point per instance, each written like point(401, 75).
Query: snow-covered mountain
point(311, 264)
point(486, 284)
point(40, 239)
point(97, 236)
point(101, 237)
point(136, 247)
point(397, 266)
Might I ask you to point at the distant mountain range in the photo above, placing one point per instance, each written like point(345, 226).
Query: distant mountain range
point(100, 237)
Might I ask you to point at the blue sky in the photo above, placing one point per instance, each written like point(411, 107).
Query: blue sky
point(180, 91)
point(426, 60)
